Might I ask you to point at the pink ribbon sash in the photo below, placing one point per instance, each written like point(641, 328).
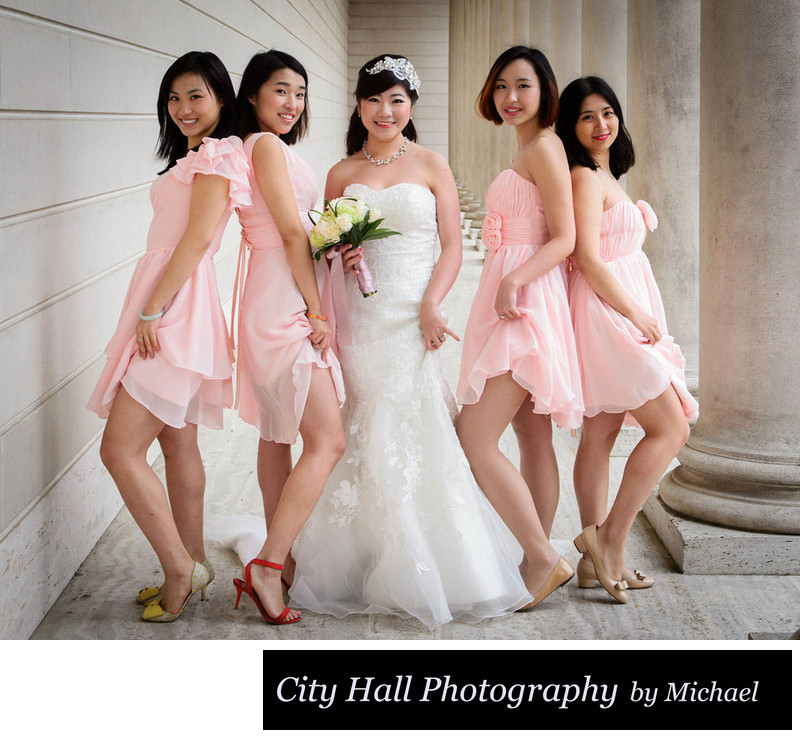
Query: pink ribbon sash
point(236, 305)
point(344, 331)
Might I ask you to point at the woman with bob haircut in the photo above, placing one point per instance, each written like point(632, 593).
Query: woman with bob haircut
point(169, 363)
point(402, 527)
point(632, 370)
point(518, 364)
point(289, 380)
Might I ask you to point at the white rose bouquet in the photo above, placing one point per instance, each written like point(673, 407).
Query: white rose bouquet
point(348, 221)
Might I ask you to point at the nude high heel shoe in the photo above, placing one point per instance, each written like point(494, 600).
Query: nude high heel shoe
point(561, 574)
point(586, 542)
point(587, 577)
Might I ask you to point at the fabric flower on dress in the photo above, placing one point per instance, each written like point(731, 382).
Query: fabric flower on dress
point(650, 218)
point(492, 231)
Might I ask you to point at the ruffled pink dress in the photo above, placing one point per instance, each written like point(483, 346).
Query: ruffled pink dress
point(620, 370)
point(189, 379)
point(537, 348)
point(275, 356)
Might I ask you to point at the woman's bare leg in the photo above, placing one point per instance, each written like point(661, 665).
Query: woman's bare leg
point(479, 429)
point(591, 470)
point(666, 432)
point(537, 461)
point(274, 467)
point(323, 445)
point(130, 430)
point(186, 485)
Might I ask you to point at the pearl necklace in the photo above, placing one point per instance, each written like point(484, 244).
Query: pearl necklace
point(381, 162)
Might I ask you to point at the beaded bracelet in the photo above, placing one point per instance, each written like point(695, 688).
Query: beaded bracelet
point(142, 316)
point(316, 317)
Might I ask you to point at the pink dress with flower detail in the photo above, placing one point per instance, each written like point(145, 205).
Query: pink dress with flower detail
point(537, 348)
point(275, 356)
point(620, 370)
point(189, 379)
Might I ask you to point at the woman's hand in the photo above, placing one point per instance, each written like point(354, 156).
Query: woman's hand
point(320, 336)
point(350, 258)
point(434, 327)
point(505, 302)
point(147, 337)
point(648, 325)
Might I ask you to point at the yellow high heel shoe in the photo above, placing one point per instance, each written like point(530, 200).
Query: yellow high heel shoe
point(154, 613)
point(152, 595)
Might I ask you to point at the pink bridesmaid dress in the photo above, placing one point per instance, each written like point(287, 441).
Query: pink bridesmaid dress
point(275, 356)
point(189, 379)
point(620, 370)
point(537, 348)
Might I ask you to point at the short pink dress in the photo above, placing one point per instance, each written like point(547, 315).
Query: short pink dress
point(537, 348)
point(620, 370)
point(275, 356)
point(189, 379)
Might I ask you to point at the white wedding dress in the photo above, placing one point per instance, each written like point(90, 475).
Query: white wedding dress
point(402, 527)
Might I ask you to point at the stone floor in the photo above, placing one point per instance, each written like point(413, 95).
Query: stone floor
point(99, 601)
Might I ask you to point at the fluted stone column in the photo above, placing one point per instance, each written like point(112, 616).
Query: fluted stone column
point(663, 117)
point(565, 40)
point(456, 97)
point(741, 467)
point(480, 31)
point(603, 43)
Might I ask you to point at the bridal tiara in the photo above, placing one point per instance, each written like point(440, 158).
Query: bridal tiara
point(401, 68)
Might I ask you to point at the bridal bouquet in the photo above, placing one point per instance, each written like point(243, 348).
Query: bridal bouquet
point(348, 221)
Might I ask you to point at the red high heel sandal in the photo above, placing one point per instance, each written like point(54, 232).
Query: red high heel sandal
point(245, 585)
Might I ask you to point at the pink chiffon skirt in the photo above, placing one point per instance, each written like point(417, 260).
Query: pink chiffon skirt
point(275, 357)
point(189, 379)
point(538, 348)
point(620, 370)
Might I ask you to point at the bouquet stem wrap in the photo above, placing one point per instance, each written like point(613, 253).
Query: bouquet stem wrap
point(364, 278)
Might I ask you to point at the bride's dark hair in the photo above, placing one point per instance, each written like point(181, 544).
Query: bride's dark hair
point(374, 84)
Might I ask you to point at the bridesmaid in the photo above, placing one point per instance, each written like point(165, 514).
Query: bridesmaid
point(633, 372)
point(518, 363)
point(169, 363)
point(289, 378)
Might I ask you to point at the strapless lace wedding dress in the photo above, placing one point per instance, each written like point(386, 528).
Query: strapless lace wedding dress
point(402, 527)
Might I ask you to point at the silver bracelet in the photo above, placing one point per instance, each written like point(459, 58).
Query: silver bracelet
point(142, 316)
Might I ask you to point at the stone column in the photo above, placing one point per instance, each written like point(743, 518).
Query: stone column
point(663, 117)
point(603, 43)
point(565, 41)
point(456, 106)
point(741, 467)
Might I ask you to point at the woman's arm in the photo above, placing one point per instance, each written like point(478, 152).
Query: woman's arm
point(588, 200)
point(448, 218)
point(207, 206)
point(272, 175)
point(546, 165)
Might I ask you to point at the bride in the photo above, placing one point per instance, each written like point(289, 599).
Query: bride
point(402, 527)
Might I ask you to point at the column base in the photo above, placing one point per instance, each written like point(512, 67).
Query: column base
point(773, 636)
point(701, 548)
